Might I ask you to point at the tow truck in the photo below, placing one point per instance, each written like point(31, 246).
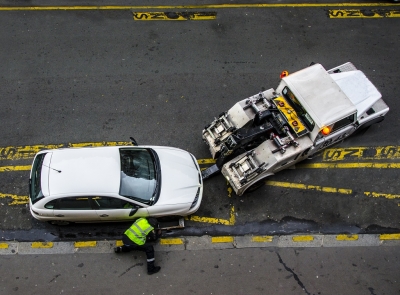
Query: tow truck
point(309, 111)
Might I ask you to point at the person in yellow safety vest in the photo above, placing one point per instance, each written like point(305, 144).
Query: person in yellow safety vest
point(139, 237)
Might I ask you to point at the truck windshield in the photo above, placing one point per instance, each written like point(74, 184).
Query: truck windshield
point(35, 188)
point(139, 173)
point(295, 104)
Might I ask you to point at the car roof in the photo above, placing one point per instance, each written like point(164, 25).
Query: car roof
point(83, 171)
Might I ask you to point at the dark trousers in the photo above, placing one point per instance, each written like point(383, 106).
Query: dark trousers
point(130, 246)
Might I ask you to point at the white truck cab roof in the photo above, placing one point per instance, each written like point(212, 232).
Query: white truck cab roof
point(319, 94)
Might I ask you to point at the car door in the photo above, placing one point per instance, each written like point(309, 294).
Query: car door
point(117, 209)
point(76, 209)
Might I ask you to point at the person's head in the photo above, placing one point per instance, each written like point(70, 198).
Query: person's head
point(153, 222)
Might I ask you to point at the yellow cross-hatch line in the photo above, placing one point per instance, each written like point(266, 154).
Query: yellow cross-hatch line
point(29, 151)
point(200, 6)
point(350, 165)
point(309, 187)
point(16, 200)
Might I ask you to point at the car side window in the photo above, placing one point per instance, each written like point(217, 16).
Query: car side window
point(104, 203)
point(74, 203)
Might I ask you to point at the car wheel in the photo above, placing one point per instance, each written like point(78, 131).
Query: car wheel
point(59, 222)
point(255, 186)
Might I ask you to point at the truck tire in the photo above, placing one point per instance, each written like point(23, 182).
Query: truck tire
point(255, 186)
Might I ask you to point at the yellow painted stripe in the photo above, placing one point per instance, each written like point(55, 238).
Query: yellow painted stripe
point(362, 153)
point(15, 168)
point(380, 195)
point(309, 187)
point(200, 6)
point(222, 240)
point(176, 241)
point(16, 200)
point(3, 246)
point(302, 239)
point(347, 237)
point(231, 221)
point(389, 237)
point(350, 165)
point(85, 244)
point(174, 16)
point(205, 161)
point(29, 151)
point(209, 220)
point(262, 239)
point(357, 13)
point(42, 245)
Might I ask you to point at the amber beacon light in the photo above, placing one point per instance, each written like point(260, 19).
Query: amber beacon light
point(325, 130)
point(284, 74)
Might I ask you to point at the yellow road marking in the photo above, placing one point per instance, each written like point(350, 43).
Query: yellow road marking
point(200, 6)
point(42, 245)
point(389, 237)
point(29, 151)
point(205, 161)
point(357, 13)
point(309, 187)
point(350, 165)
point(212, 220)
point(302, 239)
point(347, 237)
point(16, 200)
point(85, 244)
point(364, 153)
point(15, 168)
point(262, 239)
point(222, 240)
point(176, 241)
point(209, 220)
point(3, 246)
point(379, 195)
point(177, 16)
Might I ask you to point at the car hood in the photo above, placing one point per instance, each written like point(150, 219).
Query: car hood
point(180, 177)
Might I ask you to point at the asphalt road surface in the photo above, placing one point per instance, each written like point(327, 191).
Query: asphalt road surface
point(98, 75)
point(308, 271)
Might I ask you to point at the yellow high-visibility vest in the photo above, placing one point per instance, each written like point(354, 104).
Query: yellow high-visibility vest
point(138, 231)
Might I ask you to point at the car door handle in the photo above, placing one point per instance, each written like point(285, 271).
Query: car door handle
point(103, 215)
point(59, 215)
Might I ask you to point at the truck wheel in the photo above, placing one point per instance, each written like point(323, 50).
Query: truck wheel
point(256, 186)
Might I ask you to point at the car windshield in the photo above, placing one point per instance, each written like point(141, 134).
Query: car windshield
point(139, 179)
point(296, 105)
point(35, 188)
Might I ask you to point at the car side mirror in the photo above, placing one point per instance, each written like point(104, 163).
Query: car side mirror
point(133, 211)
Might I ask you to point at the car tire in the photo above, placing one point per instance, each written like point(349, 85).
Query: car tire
point(255, 186)
point(59, 222)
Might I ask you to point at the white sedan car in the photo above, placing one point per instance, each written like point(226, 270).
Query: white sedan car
point(113, 184)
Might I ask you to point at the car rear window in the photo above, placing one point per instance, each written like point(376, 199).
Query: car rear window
point(138, 174)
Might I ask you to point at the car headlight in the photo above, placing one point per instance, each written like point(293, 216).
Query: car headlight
point(196, 199)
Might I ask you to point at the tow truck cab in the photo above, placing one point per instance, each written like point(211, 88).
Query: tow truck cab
point(310, 110)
